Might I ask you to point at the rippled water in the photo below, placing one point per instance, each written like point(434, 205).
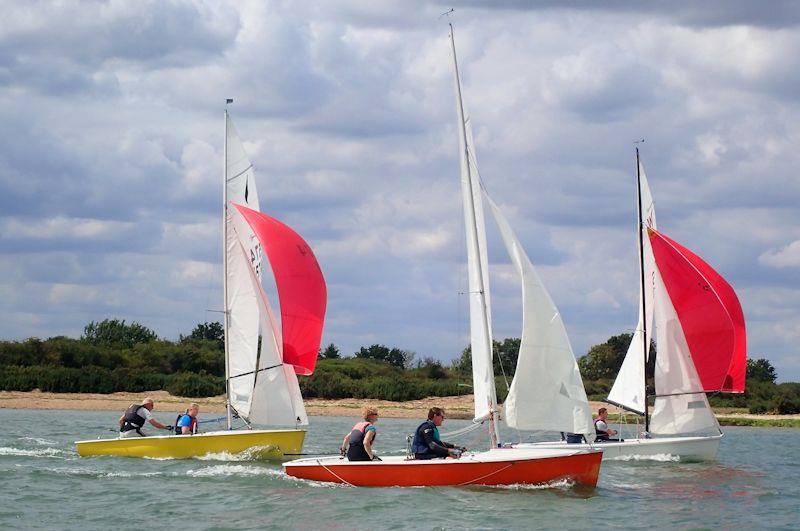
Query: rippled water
point(45, 484)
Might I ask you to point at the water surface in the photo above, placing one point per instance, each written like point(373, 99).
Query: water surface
point(754, 483)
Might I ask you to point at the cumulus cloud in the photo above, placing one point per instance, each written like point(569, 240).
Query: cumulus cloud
point(110, 166)
point(788, 256)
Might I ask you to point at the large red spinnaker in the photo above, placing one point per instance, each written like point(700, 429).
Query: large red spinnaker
point(709, 313)
point(301, 288)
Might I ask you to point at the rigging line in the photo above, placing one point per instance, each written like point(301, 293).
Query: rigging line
point(469, 428)
point(487, 475)
point(255, 372)
point(334, 474)
point(240, 173)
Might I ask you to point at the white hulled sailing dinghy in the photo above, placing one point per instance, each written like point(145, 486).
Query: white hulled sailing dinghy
point(499, 465)
point(261, 381)
point(701, 340)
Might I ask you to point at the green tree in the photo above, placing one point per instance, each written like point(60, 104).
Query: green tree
point(209, 331)
point(331, 352)
point(115, 333)
point(504, 357)
point(392, 356)
point(603, 361)
point(761, 370)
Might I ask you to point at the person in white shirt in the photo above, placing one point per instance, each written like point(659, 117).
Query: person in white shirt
point(602, 431)
point(133, 420)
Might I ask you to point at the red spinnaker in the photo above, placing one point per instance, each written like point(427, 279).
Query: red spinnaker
point(301, 288)
point(709, 312)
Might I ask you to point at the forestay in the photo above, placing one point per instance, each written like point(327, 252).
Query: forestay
point(547, 391)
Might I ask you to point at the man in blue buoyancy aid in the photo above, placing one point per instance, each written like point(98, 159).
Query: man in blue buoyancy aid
point(133, 420)
point(186, 423)
point(427, 444)
point(601, 429)
point(357, 445)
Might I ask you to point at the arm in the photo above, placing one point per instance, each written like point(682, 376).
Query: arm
point(368, 443)
point(121, 421)
point(434, 445)
point(345, 442)
point(157, 424)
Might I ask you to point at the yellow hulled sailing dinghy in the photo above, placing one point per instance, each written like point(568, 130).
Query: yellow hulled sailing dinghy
point(261, 379)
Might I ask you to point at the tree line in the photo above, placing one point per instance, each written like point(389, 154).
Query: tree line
point(112, 355)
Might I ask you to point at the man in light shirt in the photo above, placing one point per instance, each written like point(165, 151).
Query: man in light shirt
point(133, 420)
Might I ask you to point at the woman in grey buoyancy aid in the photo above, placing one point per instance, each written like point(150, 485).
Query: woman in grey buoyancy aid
point(357, 445)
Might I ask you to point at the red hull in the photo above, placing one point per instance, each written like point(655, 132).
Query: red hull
point(581, 468)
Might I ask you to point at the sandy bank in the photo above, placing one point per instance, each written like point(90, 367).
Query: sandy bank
point(456, 406)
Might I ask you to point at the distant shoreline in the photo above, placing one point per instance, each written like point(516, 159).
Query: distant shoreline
point(458, 407)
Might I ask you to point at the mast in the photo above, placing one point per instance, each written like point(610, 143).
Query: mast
point(225, 310)
point(472, 235)
point(644, 298)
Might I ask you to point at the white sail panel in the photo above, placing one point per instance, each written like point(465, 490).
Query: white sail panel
point(241, 184)
point(547, 391)
point(628, 390)
point(685, 409)
point(275, 396)
point(242, 333)
point(477, 269)
point(241, 303)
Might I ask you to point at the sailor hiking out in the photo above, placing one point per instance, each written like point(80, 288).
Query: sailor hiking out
point(133, 420)
point(427, 443)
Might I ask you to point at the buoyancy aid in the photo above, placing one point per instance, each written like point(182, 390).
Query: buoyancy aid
point(418, 445)
point(355, 449)
point(132, 420)
point(192, 424)
point(600, 435)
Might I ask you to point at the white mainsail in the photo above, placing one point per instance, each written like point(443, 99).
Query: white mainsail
point(241, 301)
point(547, 391)
point(478, 270)
point(628, 390)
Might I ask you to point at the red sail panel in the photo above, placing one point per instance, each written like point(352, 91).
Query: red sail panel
point(301, 288)
point(709, 312)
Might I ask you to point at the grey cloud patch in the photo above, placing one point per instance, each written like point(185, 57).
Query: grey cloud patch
point(778, 14)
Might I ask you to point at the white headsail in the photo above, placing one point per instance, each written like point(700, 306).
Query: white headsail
point(547, 391)
point(682, 406)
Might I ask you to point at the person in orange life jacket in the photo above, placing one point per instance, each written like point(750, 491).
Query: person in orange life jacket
point(427, 444)
point(186, 423)
point(357, 445)
point(602, 431)
point(133, 420)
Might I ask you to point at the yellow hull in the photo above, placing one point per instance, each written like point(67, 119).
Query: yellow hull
point(258, 444)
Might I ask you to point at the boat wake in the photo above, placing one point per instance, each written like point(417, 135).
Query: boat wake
point(560, 484)
point(234, 470)
point(39, 452)
point(662, 458)
point(251, 454)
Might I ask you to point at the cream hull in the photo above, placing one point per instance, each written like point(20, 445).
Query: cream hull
point(671, 448)
point(260, 444)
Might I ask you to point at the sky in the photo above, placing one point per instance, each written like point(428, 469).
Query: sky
point(111, 128)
